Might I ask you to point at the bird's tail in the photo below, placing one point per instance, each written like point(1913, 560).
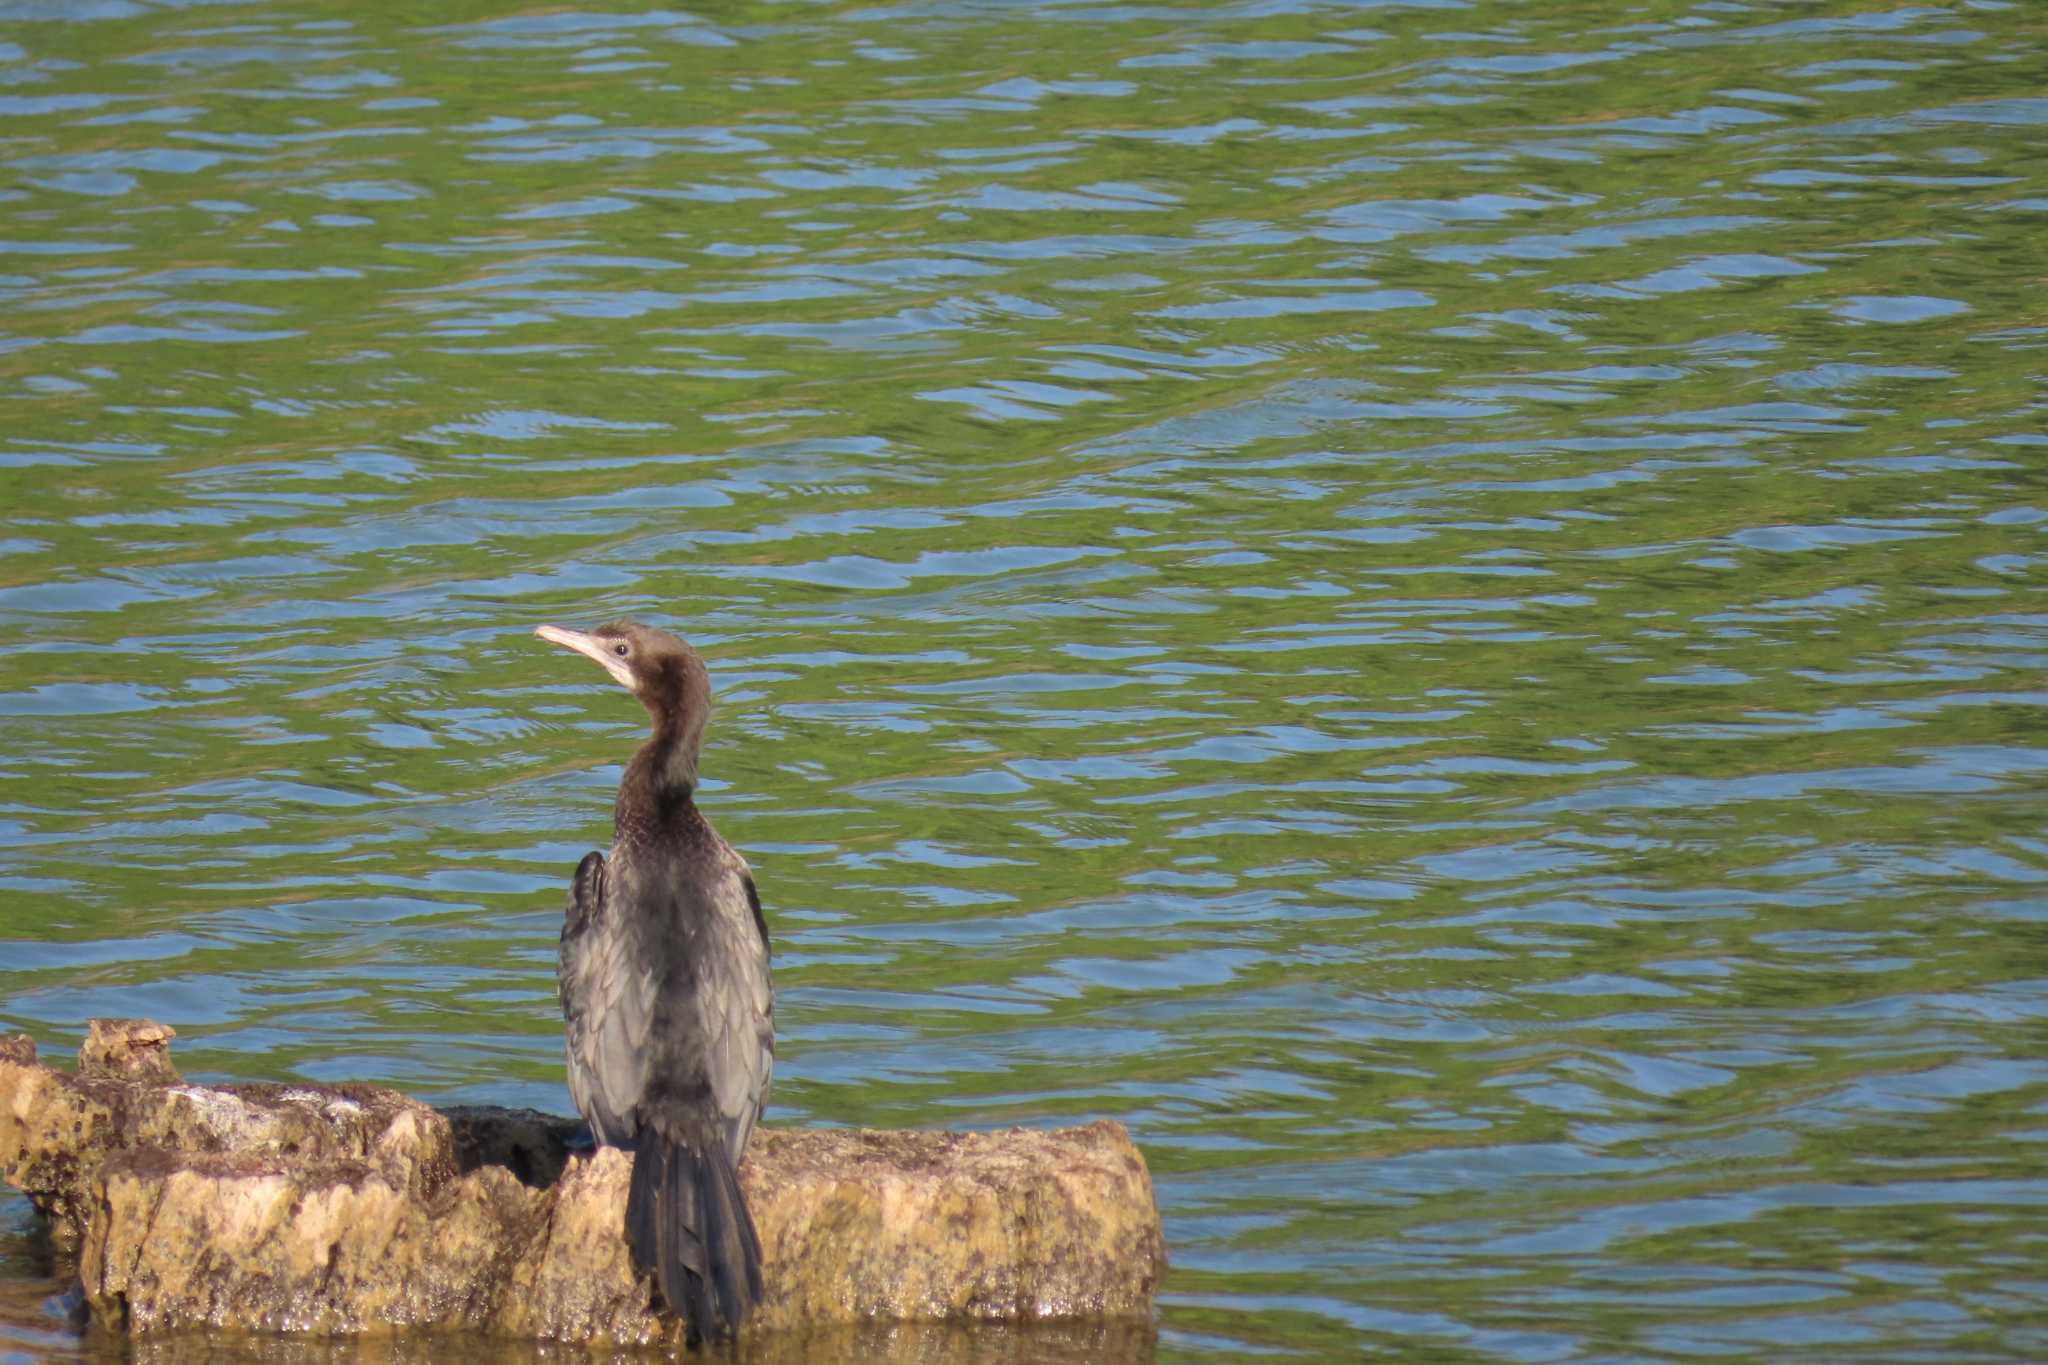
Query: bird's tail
point(687, 1222)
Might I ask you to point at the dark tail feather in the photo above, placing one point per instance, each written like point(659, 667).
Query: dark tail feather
point(687, 1222)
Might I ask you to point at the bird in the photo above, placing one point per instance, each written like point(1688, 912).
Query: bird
point(669, 1009)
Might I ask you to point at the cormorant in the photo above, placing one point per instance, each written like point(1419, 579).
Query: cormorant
point(664, 980)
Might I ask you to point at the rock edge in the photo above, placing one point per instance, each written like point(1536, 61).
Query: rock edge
point(334, 1210)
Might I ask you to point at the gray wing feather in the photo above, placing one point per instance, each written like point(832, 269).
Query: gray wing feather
point(608, 997)
point(686, 1010)
point(736, 1012)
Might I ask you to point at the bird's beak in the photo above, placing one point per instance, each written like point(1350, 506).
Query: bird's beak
point(590, 647)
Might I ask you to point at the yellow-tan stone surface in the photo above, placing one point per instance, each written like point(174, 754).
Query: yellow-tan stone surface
point(339, 1210)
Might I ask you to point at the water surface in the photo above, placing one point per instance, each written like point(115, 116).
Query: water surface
point(1436, 606)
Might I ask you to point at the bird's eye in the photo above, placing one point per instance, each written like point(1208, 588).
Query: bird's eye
point(620, 649)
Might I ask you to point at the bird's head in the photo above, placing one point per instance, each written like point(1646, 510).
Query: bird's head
point(662, 671)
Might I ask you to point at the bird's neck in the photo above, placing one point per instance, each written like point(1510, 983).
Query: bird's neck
point(661, 780)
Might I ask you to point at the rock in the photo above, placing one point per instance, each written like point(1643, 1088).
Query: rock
point(1003, 1227)
point(57, 1129)
point(328, 1248)
point(130, 1049)
point(351, 1209)
point(1074, 1342)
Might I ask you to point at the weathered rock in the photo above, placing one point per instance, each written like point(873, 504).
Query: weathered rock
point(128, 1049)
point(1069, 1342)
point(335, 1247)
point(1008, 1227)
point(57, 1129)
point(339, 1210)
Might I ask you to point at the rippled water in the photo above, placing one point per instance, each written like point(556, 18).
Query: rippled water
point(1437, 606)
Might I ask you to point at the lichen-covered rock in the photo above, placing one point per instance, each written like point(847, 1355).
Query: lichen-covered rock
point(576, 1280)
point(1072, 1342)
point(57, 1129)
point(999, 1227)
point(328, 1248)
point(128, 1049)
point(339, 1210)
point(1008, 1227)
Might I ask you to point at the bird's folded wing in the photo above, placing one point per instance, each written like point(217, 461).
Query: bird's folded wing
point(608, 1000)
point(736, 1009)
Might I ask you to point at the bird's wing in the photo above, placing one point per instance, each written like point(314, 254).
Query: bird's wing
point(746, 1063)
point(714, 1035)
point(608, 1000)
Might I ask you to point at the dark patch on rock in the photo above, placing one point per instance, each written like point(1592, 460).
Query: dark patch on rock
point(532, 1145)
